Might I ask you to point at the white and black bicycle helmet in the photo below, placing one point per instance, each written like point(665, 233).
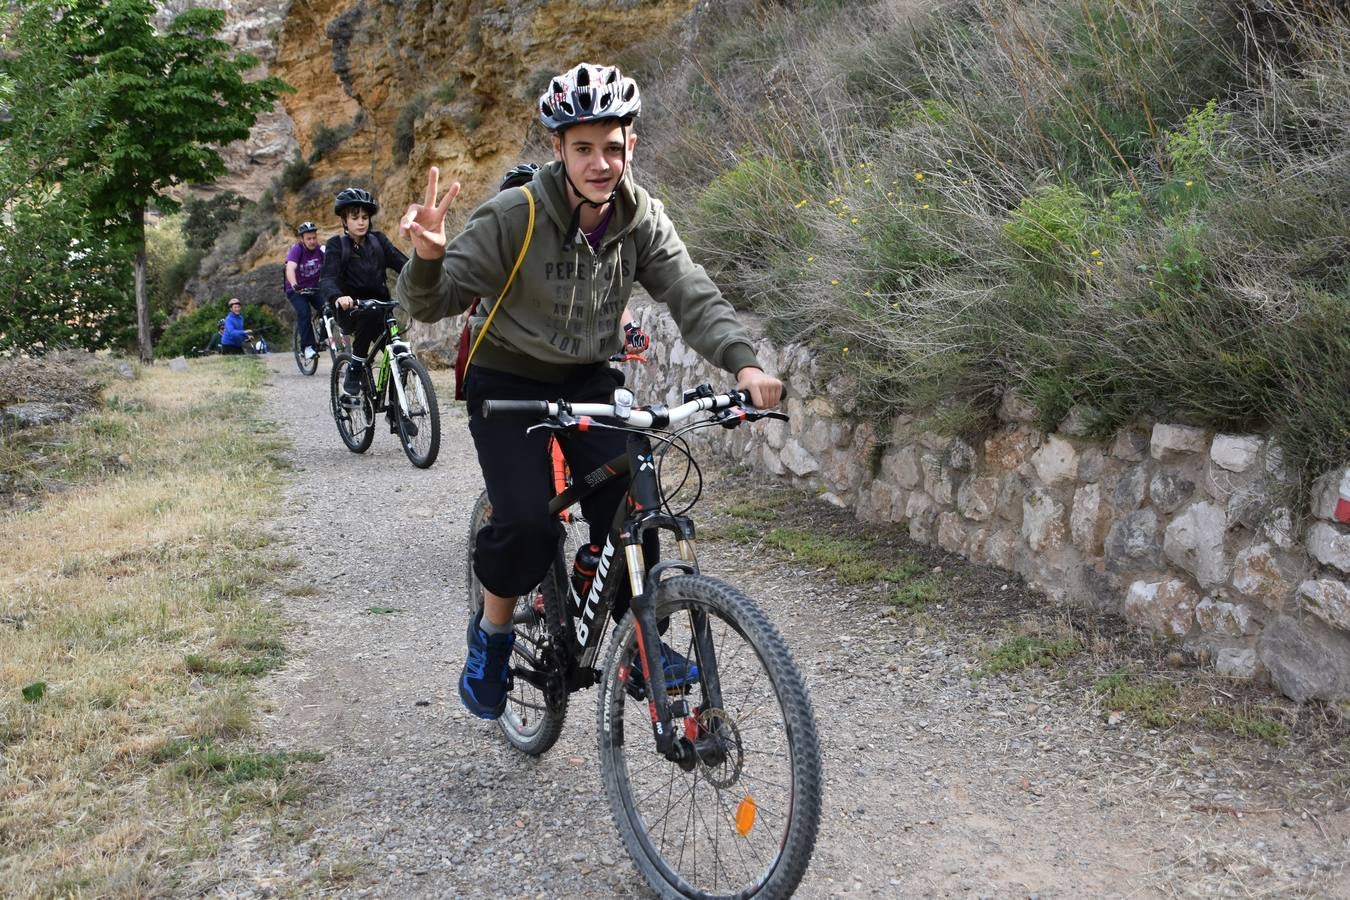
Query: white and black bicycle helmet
point(349, 197)
point(306, 228)
point(588, 93)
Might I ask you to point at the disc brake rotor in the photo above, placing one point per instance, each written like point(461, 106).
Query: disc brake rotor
point(717, 723)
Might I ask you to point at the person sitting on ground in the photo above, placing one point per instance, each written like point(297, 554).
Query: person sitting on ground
point(304, 262)
point(213, 343)
point(354, 264)
point(597, 233)
point(233, 337)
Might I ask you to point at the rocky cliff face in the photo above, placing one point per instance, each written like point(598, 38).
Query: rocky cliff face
point(445, 82)
point(251, 26)
point(386, 88)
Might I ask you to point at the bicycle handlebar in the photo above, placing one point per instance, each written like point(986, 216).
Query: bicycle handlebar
point(376, 304)
point(579, 414)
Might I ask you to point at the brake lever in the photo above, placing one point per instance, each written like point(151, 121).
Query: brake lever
point(561, 422)
point(733, 416)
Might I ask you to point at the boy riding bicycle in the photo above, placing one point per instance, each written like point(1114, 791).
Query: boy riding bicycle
point(304, 262)
point(596, 234)
point(354, 264)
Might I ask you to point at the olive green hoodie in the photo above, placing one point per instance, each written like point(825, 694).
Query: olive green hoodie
point(564, 307)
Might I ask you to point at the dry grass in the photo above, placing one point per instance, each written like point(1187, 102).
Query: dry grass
point(109, 587)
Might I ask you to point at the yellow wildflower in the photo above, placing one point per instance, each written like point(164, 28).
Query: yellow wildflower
point(810, 259)
point(1100, 263)
point(1189, 183)
point(834, 281)
point(854, 220)
point(925, 206)
point(1096, 253)
point(918, 176)
point(800, 204)
point(845, 349)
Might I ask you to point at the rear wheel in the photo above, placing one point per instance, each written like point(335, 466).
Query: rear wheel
point(306, 366)
point(355, 416)
point(419, 431)
point(740, 818)
point(534, 717)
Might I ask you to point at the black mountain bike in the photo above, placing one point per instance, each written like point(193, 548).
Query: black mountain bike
point(327, 336)
point(722, 799)
point(394, 382)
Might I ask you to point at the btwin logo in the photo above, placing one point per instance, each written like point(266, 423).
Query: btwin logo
point(587, 612)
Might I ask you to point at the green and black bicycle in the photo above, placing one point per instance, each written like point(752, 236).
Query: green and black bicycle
point(394, 383)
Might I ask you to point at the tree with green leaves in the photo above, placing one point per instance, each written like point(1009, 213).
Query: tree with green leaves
point(169, 100)
point(63, 282)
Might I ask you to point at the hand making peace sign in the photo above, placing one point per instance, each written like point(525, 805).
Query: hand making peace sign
point(424, 222)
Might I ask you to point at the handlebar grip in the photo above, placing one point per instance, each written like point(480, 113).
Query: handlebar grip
point(515, 408)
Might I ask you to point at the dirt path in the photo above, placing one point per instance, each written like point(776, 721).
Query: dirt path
point(939, 783)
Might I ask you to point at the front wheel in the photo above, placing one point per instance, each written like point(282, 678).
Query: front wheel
point(419, 427)
point(306, 366)
point(355, 416)
point(533, 719)
point(740, 818)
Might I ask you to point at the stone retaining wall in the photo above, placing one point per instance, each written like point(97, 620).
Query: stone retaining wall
point(1181, 531)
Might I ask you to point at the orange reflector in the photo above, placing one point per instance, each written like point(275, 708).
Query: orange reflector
point(745, 815)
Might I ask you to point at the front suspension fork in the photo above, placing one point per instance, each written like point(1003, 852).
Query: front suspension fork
point(646, 587)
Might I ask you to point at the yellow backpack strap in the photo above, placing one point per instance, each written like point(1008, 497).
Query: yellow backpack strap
point(529, 233)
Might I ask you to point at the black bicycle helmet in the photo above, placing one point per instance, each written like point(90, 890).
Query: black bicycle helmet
point(306, 228)
point(518, 175)
point(589, 93)
point(354, 197)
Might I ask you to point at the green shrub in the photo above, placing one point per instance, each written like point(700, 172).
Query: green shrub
point(447, 90)
point(325, 140)
point(1136, 209)
point(247, 238)
point(751, 212)
point(296, 175)
point(204, 219)
point(406, 124)
point(193, 331)
point(1053, 222)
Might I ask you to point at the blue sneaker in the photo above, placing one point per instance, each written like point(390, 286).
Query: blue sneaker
point(486, 678)
point(681, 673)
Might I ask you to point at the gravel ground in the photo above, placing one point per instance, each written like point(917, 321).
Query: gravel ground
point(939, 783)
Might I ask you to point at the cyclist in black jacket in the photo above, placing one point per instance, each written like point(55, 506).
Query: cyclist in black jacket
point(354, 264)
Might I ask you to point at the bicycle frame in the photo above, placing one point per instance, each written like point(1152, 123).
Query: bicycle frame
point(633, 522)
point(393, 348)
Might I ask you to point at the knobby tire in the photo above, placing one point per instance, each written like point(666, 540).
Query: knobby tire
point(306, 366)
point(356, 422)
point(532, 722)
point(423, 412)
point(702, 807)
